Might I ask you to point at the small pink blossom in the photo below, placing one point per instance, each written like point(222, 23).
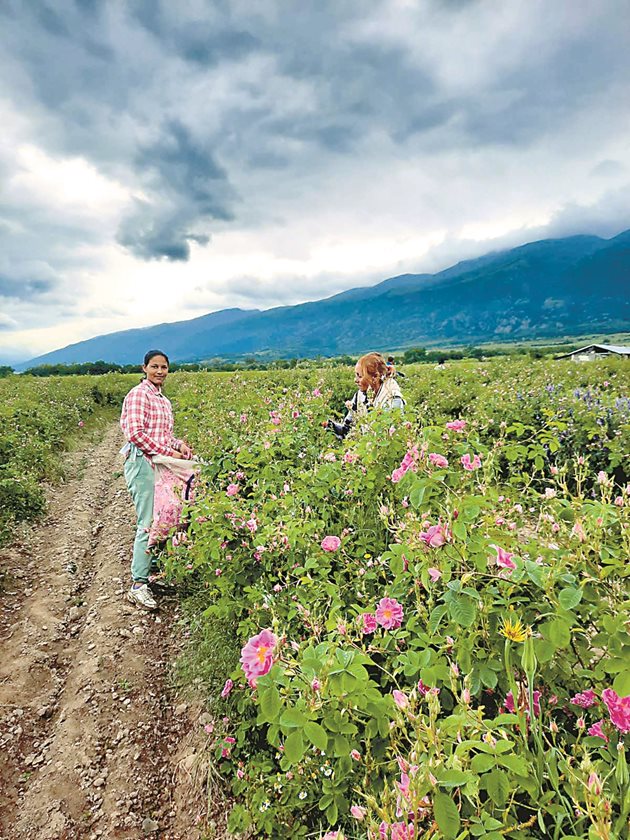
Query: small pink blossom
point(456, 425)
point(218, 572)
point(317, 392)
point(435, 536)
point(597, 730)
point(357, 812)
point(400, 699)
point(251, 525)
point(397, 475)
point(434, 574)
point(619, 501)
point(389, 613)
point(585, 699)
point(81, 424)
point(334, 835)
point(469, 463)
point(618, 709)
point(330, 543)
point(257, 655)
point(315, 684)
point(594, 784)
point(438, 460)
point(368, 623)
point(422, 688)
point(227, 688)
point(509, 703)
point(355, 755)
point(504, 558)
point(349, 457)
point(232, 489)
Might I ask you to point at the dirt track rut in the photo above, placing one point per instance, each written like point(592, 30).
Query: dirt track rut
point(92, 742)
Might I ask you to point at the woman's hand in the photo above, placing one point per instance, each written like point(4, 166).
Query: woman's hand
point(186, 451)
point(176, 454)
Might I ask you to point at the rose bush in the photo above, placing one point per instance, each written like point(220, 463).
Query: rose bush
point(432, 614)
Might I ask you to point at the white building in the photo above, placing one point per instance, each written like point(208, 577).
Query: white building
point(596, 351)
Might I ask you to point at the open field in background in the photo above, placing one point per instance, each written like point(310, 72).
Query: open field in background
point(433, 616)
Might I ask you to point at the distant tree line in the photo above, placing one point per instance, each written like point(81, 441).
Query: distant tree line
point(413, 355)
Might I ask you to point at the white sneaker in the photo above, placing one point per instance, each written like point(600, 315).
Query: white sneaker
point(141, 596)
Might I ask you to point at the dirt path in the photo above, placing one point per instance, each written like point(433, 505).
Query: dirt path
point(92, 743)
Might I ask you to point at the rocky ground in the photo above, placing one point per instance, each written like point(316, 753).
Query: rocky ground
point(93, 742)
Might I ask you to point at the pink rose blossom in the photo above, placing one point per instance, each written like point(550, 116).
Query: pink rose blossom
point(334, 835)
point(618, 709)
point(389, 613)
point(434, 574)
point(585, 699)
point(509, 703)
point(438, 460)
point(257, 656)
point(383, 830)
point(317, 392)
point(330, 543)
point(397, 474)
point(368, 623)
point(504, 558)
point(232, 489)
point(594, 784)
point(81, 424)
point(251, 525)
point(349, 457)
point(456, 425)
point(435, 536)
point(227, 688)
point(355, 755)
point(597, 730)
point(469, 463)
point(400, 699)
point(315, 684)
point(402, 831)
point(357, 812)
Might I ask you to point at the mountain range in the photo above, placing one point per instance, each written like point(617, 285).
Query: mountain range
point(554, 287)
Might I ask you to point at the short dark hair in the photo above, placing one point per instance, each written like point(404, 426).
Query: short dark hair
point(151, 353)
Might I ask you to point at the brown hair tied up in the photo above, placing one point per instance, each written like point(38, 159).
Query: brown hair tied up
point(373, 370)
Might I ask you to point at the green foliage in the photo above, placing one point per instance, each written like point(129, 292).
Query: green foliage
point(322, 730)
point(37, 418)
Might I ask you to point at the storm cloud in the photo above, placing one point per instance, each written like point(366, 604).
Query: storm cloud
point(189, 136)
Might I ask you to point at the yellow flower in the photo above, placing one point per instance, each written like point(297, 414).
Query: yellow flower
point(514, 630)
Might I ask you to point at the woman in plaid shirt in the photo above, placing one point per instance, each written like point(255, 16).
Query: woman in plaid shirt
point(147, 423)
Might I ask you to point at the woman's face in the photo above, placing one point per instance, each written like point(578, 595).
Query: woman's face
point(156, 370)
point(362, 382)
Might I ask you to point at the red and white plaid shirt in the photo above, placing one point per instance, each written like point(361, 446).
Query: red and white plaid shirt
point(147, 420)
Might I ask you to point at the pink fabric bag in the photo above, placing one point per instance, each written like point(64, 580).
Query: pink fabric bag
point(174, 487)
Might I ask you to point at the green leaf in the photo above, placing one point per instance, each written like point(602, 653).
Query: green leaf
point(453, 778)
point(622, 683)
point(558, 632)
point(569, 597)
point(459, 530)
point(446, 815)
point(482, 762)
point(294, 747)
point(462, 610)
point(270, 704)
point(316, 734)
point(498, 787)
point(293, 718)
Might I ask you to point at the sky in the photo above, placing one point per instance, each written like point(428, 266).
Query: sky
point(162, 160)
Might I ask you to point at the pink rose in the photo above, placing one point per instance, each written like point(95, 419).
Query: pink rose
point(585, 700)
point(368, 623)
point(456, 425)
point(509, 703)
point(400, 699)
point(504, 558)
point(618, 709)
point(227, 688)
point(232, 489)
point(470, 464)
point(389, 613)
point(435, 536)
point(438, 460)
point(434, 574)
point(330, 543)
point(355, 755)
point(257, 656)
point(358, 813)
point(597, 730)
point(317, 392)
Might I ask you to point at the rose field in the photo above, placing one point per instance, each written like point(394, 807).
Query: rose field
point(419, 631)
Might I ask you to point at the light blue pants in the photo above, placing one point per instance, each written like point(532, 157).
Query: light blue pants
point(140, 478)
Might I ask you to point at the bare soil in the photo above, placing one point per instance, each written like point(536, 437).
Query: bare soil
point(93, 742)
